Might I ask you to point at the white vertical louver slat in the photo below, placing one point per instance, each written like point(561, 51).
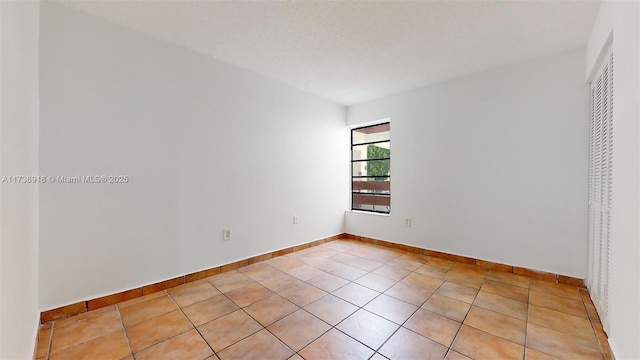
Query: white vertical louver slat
point(600, 177)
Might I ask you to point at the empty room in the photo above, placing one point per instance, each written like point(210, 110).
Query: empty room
point(319, 180)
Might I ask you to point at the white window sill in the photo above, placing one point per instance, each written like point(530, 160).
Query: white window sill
point(367, 213)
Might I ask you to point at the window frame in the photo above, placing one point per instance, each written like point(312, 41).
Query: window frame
point(387, 177)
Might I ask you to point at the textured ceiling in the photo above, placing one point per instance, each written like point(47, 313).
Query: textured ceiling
point(352, 52)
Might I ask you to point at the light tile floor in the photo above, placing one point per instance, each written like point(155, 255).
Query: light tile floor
point(341, 300)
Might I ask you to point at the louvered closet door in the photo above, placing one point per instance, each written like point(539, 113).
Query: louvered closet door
point(600, 175)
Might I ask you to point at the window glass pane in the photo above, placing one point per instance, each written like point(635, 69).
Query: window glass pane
point(371, 185)
point(380, 203)
point(371, 134)
point(372, 151)
point(371, 168)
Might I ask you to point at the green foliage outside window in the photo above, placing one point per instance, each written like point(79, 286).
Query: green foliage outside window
point(378, 168)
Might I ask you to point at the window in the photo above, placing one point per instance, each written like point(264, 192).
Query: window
point(371, 168)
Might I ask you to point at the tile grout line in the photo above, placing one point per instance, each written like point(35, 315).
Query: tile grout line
point(155, 317)
point(124, 329)
point(190, 322)
point(50, 342)
point(362, 307)
point(526, 324)
point(404, 322)
point(243, 310)
point(591, 322)
point(418, 308)
point(334, 327)
point(380, 293)
point(331, 327)
point(80, 343)
point(265, 327)
point(376, 351)
point(450, 349)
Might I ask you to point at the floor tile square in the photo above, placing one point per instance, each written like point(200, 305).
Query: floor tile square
point(280, 282)
point(97, 312)
point(391, 308)
point(328, 282)
point(156, 330)
point(531, 354)
point(249, 294)
point(210, 309)
point(331, 309)
point(497, 324)
point(285, 263)
point(502, 305)
point(447, 307)
point(458, 292)
point(481, 345)
point(423, 281)
point(506, 290)
point(322, 263)
point(305, 272)
point(44, 340)
point(405, 344)
point(439, 263)
point(431, 271)
point(229, 329)
point(370, 329)
point(147, 310)
point(259, 271)
point(508, 278)
point(375, 282)
point(299, 329)
point(335, 345)
point(454, 355)
point(392, 272)
point(111, 346)
point(561, 345)
point(343, 258)
point(228, 281)
point(408, 293)
point(188, 294)
point(271, 309)
point(303, 294)
point(404, 263)
point(348, 272)
point(85, 330)
point(559, 303)
point(465, 279)
point(565, 323)
point(547, 287)
point(259, 346)
point(364, 264)
point(188, 345)
point(140, 299)
point(470, 269)
point(433, 326)
point(356, 294)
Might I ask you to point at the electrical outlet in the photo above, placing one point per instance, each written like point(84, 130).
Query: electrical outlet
point(295, 219)
point(407, 222)
point(226, 234)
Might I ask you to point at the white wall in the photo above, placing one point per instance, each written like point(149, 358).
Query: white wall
point(619, 22)
point(19, 313)
point(206, 145)
point(492, 165)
